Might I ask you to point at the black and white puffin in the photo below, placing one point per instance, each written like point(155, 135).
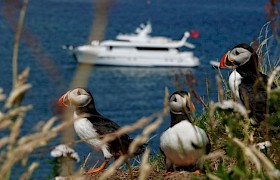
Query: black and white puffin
point(246, 82)
point(183, 143)
point(89, 124)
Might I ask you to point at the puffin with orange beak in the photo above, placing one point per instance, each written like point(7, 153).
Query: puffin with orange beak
point(183, 143)
point(246, 82)
point(89, 125)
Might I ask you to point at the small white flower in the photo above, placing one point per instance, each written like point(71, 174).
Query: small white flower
point(264, 145)
point(60, 178)
point(64, 151)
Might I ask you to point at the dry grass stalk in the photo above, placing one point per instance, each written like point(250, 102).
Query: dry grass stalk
point(145, 168)
point(272, 172)
point(5, 124)
point(14, 112)
point(16, 93)
point(19, 89)
point(83, 166)
point(265, 41)
point(48, 125)
point(113, 167)
point(274, 73)
point(2, 95)
point(249, 153)
point(126, 129)
point(213, 122)
point(220, 89)
point(28, 173)
point(15, 130)
point(223, 80)
point(214, 155)
point(44, 130)
point(212, 176)
point(22, 151)
point(166, 102)
point(199, 98)
point(4, 141)
point(16, 41)
point(22, 77)
point(144, 137)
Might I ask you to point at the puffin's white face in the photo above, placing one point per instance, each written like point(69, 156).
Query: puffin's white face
point(236, 57)
point(179, 102)
point(239, 56)
point(77, 97)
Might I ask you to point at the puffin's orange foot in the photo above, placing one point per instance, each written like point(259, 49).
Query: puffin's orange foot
point(196, 172)
point(167, 174)
point(94, 170)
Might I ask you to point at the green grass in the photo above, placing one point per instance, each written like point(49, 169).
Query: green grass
point(157, 162)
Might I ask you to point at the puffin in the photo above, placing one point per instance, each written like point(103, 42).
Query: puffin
point(246, 82)
point(90, 125)
point(183, 143)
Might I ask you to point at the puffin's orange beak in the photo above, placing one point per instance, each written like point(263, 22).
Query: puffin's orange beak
point(190, 104)
point(223, 60)
point(64, 101)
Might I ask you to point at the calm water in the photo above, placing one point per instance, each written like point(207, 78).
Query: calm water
point(122, 94)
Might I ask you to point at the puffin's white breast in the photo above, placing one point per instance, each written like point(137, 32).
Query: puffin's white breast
point(85, 130)
point(176, 143)
point(234, 81)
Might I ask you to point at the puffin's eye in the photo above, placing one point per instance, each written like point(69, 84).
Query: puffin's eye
point(237, 53)
point(78, 92)
point(175, 99)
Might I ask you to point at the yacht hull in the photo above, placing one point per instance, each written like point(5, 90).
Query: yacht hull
point(138, 59)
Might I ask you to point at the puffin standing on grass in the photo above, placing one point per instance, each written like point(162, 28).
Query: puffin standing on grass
point(183, 143)
point(246, 82)
point(89, 125)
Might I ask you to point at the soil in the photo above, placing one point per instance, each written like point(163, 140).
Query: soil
point(124, 174)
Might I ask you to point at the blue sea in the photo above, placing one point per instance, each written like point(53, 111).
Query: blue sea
point(122, 94)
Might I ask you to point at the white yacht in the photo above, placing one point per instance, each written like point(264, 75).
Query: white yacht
point(138, 49)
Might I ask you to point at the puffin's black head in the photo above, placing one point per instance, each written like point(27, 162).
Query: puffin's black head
point(238, 56)
point(78, 97)
point(180, 102)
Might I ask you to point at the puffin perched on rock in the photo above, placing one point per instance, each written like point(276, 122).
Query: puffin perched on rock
point(183, 143)
point(89, 125)
point(246, 82)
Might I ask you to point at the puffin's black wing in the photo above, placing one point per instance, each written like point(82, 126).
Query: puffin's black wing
point(104, 125)
point(254, 96)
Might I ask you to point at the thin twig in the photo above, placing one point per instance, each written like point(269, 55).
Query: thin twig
point(17, 39)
